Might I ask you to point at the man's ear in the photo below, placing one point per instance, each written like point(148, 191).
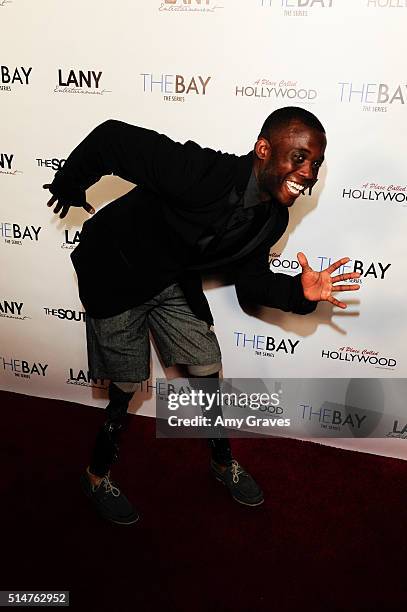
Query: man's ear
point(262, 148)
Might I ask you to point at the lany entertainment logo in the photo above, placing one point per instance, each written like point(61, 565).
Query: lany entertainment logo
point(190, 6)
point(80, 82)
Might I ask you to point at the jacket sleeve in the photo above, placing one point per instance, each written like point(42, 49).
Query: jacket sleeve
point(257, 284)
point(136, 154)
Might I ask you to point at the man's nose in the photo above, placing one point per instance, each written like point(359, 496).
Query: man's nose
point(307, 170)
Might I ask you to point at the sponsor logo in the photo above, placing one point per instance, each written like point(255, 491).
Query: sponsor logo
point(332, 416)
point(12, 310)
point(66, 315)
point(6, 164)
point(278, 264)
point(13, 233)
point(374, 192)
point(5, 2)
point(71, 239)
point(277, 89)
point(52, 164)
point(175, 87)
point(374, 269)
point(265, 346)
point(398, 431)
point(297, 8)
point(10, 77)
point(387, 3)
point(373, 97)
point(83, 379)
point(365, 357)
point(190, 6)
point(80, 82)
point(22, 368)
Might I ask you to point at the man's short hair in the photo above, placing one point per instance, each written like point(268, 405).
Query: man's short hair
point(282, 117)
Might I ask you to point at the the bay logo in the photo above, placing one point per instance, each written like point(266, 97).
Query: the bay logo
point(22, 368)
point(265, 346)
point(297, 8)
point(14, 76)
point(367, 269)
point(175, 87)
point(14, 233)
point(373, 97)
point(333, 416)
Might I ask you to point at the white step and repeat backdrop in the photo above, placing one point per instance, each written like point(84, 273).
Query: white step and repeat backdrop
point(210, 71)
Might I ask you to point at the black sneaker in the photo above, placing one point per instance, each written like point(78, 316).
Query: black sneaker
point(109, 501)
point(243, 488)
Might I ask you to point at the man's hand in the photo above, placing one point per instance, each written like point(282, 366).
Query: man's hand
point(63, 205)
point(319, 286)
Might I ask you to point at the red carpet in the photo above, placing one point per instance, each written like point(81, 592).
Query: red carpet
point(331, 535)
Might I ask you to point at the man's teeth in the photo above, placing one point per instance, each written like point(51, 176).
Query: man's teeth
point(295, 188)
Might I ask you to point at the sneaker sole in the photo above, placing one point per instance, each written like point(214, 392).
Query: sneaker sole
point(239, 501)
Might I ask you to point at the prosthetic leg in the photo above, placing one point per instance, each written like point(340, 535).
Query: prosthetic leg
point(106, 449)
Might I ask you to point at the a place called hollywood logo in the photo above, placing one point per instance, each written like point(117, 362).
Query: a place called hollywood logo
point(370, 269)
point(373, 97)
point(360, 356)
point(11, 76)
point(398, 431)
point(10, 309)
point(190, 6)
point(387, 4)
point(82, 378)
point(277, 89)
point(72, 238)
point(66, 314)
point(297, 8)
point(375, 192)
point(14, 233)
point(5, 2)
point(333, 416)
point(280, 264)
point(52, 163)
point(265, 346)
point(175, 87)
point(80, 82)
point(7, 164)
point(22, 368)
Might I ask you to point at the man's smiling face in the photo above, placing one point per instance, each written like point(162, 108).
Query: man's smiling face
point(288, 162)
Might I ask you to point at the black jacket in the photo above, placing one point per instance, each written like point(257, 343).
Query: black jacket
point(142, 242)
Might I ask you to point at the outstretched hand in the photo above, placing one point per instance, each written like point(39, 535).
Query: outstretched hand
point(63, 205)
point(319, 286)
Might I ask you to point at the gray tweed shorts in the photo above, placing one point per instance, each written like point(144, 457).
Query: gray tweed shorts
point(119, 346)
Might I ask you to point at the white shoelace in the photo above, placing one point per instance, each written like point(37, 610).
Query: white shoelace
point(109, 486)
point(236, 470)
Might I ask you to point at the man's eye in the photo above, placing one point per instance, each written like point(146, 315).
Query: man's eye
point(299, 159)
point(317, 164)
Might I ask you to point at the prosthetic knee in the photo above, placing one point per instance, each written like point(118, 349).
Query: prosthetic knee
point(106, 448)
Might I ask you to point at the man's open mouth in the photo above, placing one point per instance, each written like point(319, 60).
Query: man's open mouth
point(295, 188)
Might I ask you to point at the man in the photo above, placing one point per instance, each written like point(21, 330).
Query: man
point(193, 209)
